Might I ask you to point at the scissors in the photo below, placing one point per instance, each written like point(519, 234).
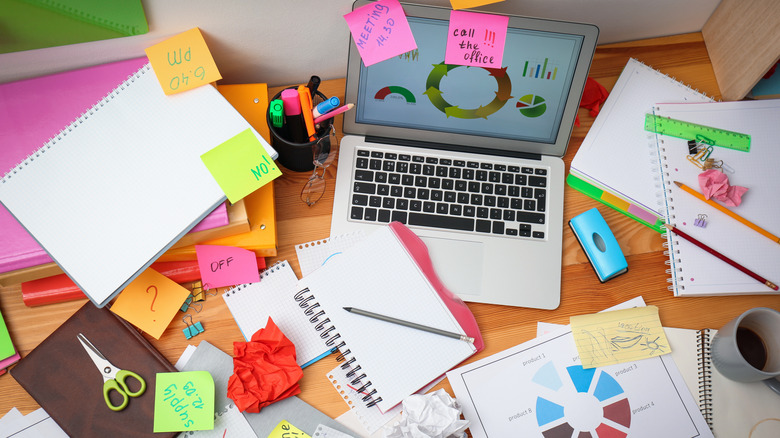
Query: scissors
point(113, 377)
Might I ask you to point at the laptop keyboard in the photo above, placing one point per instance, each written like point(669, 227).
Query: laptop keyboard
point(465, 195)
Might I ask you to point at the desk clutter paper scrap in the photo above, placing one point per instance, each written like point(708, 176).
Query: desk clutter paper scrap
point(618, 336)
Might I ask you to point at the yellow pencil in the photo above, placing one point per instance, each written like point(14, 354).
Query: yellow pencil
point(729, 212)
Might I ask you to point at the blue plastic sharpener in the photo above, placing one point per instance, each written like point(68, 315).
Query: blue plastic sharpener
point(599, 244)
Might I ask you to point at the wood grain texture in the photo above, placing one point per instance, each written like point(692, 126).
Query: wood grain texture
point(743, 40)
point(682, 56)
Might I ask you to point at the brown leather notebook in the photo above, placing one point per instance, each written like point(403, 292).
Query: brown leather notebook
point(62, 378)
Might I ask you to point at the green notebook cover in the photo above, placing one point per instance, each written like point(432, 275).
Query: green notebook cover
point(35, 24)
point(599, 195)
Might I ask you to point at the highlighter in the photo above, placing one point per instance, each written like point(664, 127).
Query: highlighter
point(325, 107)
point(293, 116)
point(306, 107)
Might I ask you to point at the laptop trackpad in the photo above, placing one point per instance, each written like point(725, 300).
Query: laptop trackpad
point(458, 263)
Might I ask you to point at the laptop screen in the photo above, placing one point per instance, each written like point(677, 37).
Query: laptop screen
point(528, 105)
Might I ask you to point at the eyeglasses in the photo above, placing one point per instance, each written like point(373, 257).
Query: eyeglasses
point(314, 188)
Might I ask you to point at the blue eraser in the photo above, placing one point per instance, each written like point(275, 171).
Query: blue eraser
point(599, 244)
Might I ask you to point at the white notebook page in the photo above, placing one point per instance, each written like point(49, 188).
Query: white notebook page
point(114, 190)
point(617, 153)
point(252, 305)
point(696, 271)
point(378, 275)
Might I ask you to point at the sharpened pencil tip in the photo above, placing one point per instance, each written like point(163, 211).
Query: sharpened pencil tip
point(678, 183)
point(348, 309)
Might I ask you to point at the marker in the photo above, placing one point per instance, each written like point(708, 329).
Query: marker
point(324, 107)
point(292, 111)
point(306, 107)
point(313, 85)
point(334, 113)
point(277, 113)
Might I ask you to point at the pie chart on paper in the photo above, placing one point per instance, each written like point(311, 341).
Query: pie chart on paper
point(531, 105)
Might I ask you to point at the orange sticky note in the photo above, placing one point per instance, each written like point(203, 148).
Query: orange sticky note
point(183, 62)
point(463, 4)
point(150, 302)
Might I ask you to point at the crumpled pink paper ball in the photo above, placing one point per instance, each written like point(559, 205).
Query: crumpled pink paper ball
point(715, 184)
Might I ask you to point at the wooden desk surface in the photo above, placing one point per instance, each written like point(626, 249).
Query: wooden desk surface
point(682, 56)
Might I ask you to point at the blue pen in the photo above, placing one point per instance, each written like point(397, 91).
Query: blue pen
point(325, 107)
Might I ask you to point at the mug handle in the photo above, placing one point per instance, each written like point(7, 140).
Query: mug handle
point(773, 384)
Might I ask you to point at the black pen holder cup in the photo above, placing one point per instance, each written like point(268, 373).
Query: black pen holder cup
point(297, 157)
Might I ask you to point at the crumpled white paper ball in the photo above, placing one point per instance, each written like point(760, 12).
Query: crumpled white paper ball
point(434, 415)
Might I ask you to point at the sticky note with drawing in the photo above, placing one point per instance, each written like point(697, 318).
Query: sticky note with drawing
point(619, 336)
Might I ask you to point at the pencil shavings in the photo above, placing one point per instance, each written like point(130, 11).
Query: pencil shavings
point(715, 184)
point(264, 370)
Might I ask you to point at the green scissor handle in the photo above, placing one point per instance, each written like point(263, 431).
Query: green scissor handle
point(119, 384)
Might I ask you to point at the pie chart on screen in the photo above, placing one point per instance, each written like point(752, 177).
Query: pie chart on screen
point(531, 105)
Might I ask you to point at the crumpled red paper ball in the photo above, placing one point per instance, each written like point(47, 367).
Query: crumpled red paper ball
point(593, 96)
point(715, 184)
point(264, 370)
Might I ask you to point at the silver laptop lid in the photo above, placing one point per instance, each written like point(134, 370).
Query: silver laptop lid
point(528, 106)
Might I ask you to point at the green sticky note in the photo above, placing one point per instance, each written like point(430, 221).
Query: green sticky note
point(184, 401)
point(286, 430)
point(6, 346)
point(240, 165)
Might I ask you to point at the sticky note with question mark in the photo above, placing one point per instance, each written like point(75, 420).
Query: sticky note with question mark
point(150, 302)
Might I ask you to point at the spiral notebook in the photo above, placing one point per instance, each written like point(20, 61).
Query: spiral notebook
point(125, 179)
point(693, 271)
point(388, 272)
point(732, 409)
point(616, 163)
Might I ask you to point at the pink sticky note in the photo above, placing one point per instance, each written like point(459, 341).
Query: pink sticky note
point(226, 265)
point(476, 39)
point(380, 31)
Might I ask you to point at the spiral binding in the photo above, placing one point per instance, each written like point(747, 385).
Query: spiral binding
point(73, 125)
point(704, 358)
point(326, 330)
point(268, 271)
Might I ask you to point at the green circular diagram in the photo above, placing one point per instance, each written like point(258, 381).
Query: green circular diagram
point(531, 105)
point(435, 95)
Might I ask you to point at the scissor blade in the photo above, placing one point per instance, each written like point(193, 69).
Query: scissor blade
point(100, 361)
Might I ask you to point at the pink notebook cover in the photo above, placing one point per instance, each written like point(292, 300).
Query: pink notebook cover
point(34, 110)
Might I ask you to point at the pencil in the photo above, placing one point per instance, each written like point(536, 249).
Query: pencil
point(729, 212)
point(720, 256)
point(409, 324)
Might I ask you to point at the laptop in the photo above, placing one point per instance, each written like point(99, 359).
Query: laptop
point(468, 158)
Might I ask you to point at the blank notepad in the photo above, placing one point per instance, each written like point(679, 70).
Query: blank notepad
point(378, 274)
point(252, 304)
point(112, 191)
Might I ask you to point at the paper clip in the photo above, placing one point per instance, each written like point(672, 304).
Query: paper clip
point(188, 304)
point(701, 221)
point(191, 329)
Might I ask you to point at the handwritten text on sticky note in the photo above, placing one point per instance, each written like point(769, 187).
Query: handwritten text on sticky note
point(226, 265)
point(476, 39)
point(184, 401)
point(463, 4)
point(380, 31)
point(287, 430)
point(240, 165)
point(150, 302)
point(183, 62)
point(619, 336)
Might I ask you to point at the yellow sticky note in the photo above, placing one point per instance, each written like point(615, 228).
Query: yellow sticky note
point(463, 4)
point(150, 302)
point(184, 401)
point(183, 62)
point(240, 165)
point(287, 430)
point(619, 336)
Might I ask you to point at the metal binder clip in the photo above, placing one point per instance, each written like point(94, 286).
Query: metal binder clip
point(191, 329)
point(701, 221)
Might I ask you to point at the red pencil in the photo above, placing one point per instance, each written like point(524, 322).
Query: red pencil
point(720, 256)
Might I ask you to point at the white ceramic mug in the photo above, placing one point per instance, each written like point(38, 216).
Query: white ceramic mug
point(747, 349)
